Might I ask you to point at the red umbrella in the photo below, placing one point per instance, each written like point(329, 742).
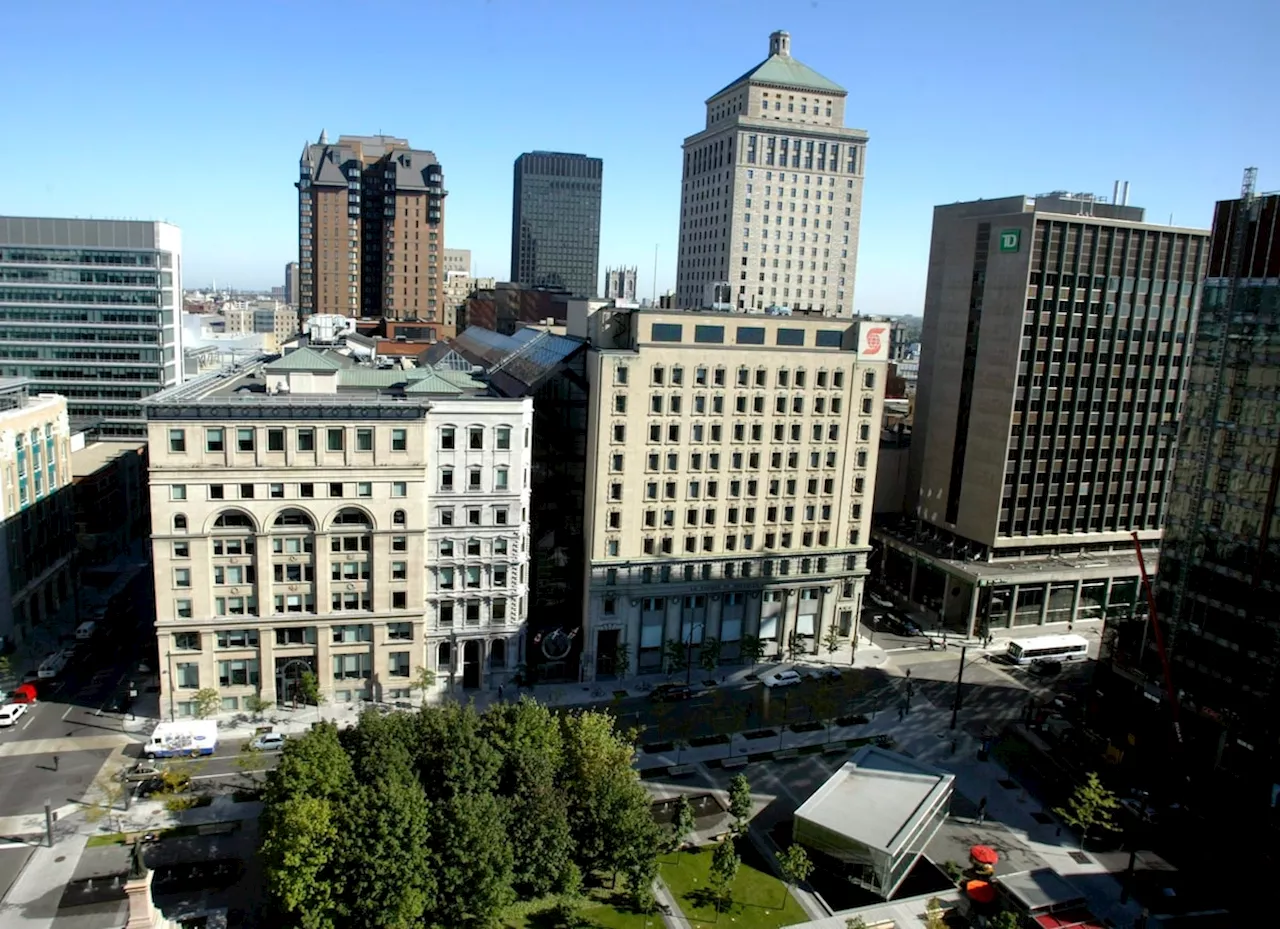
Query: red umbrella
point(980, 891)
point(984, 854)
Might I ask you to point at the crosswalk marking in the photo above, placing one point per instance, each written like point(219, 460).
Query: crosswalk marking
point(63, 746)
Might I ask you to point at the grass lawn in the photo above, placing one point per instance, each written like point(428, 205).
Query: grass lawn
point(758, 898)
point(125, 838)
point(608, 910)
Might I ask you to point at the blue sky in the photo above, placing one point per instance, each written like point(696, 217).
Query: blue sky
point(197, 112)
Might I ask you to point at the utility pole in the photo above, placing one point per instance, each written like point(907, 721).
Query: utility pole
point(955, 707)
point(48, 821)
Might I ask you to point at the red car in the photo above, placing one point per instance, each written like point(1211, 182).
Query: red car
point(26, 693)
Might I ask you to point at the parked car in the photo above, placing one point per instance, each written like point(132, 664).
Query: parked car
point(268, 742)
point(668, 693)
point(823, 674)
point(786, 677)
point(881, 601)
point(10, 713)
point(1046, 668)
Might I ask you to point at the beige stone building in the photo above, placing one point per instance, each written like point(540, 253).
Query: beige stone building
point(316, 514)
point(771, 193)
point(731, 464)
point(37, 524)
point(458, 286)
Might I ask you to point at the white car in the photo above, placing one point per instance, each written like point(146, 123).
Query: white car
point(783, 678)
point(10, 713)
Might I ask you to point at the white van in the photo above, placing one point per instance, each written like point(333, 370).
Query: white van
point(184, 737)
point(84, 631)
point(53, 665)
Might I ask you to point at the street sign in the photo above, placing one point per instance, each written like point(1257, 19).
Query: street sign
point(1010, 240)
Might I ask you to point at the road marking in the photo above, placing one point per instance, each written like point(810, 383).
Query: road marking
point(31, 717)
point(68, 712)
point(63, 746)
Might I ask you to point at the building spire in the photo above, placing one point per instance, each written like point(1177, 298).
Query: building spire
point(324, 137)
point(780, 44)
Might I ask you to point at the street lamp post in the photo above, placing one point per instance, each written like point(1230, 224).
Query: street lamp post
point(169, 656)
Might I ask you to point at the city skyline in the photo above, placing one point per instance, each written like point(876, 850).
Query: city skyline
point(241, 227)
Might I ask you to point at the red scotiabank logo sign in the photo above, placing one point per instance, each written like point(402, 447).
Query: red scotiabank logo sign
point(874, 344)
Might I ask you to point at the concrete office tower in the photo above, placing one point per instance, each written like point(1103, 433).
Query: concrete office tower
point(772, 194)
point(457, 259)
point(38, 578)
point(370, 229)
point(620, 284)
point(89, 310)
point(1219, 579)
point(291, 284)
point(1053, 370)
point(316, 514)
point(730, 469)
point(555, 222)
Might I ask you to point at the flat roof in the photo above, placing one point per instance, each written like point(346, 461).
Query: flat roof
point(1040, 889)
point(96, 455)
point(877, 798)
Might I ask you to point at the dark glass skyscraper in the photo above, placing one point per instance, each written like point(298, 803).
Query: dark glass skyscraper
point(555, 222)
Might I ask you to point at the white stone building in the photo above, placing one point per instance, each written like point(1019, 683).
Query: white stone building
point(315, 514)
point(771, 194)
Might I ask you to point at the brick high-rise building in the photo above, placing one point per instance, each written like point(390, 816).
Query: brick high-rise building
point(772, 193)
point(370, 229)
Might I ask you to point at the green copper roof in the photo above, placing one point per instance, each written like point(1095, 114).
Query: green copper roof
point(303, 359)
point(786, 71)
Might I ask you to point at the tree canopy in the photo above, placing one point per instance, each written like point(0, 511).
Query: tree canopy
point(443, 817)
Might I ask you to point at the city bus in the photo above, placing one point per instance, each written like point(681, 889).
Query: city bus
point(1048, 648)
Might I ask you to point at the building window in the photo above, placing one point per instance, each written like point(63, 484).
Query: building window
point(238, 673)
point(399, 440)
point(399, 488)
point(181, 577)
point(181, 549)
point(275, 440)
point(177, 491)
point(306, 440)
point(364, 440)
point(244, 440)
point(503, 438)
point(183, 609)
point(213, 440)
point(364, 489)
point(188, 675)
point(500, 479)
point(179, 523)
point(334, 440)
point(398, 664)
point(448, 438)
point(177, 441)
point(186, 641)
point(399, 600)
point(400, 632)
point(475, 438)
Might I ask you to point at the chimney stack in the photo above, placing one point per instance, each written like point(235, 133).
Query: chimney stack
point(1115, 193)
point(1126, 194)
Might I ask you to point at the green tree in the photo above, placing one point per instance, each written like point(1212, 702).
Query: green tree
point(257, 705)
point(724, 870)
point(740, 802)
point(299, 838)
point(795, 647)
point(682, 821)
point(622, 659)
point(309, 689)
point(935, 916)
point(208, 702)
point(640, 875)
point(795, 865)
point(1005, 919)
point(709, 656)
point(608, 807)
point(472, 861)
point(6, 667)
point(1089, 807)
point(674, 655)
point(855, 922)
point(752, 649)
point(454, 756)
point(423, 680)
point(832, 640)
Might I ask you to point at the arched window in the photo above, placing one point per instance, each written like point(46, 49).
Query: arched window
point(398, 518)
point(179, 523)
point(444, 656)
point(233, 519)
point(294, 519)
point(352, 517)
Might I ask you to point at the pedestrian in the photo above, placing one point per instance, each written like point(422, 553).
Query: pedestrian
point(499, 693)
point(55, 762)
point(982, 810)
point(901, 713)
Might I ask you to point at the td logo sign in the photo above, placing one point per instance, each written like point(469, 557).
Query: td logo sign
point(1010, 239)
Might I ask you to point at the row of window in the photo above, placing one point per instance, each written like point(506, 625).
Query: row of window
point(305, 490)
point(445, 516)
point(244, 672)
point(673, 404)
point(733, 570)
point(737, 462)
point(740, 431)
point(249, 638)
point(783, 378)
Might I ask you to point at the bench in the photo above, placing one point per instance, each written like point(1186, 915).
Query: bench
point(737, 761)
point(835, 748)
point(785, 753)
point(680, 770)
